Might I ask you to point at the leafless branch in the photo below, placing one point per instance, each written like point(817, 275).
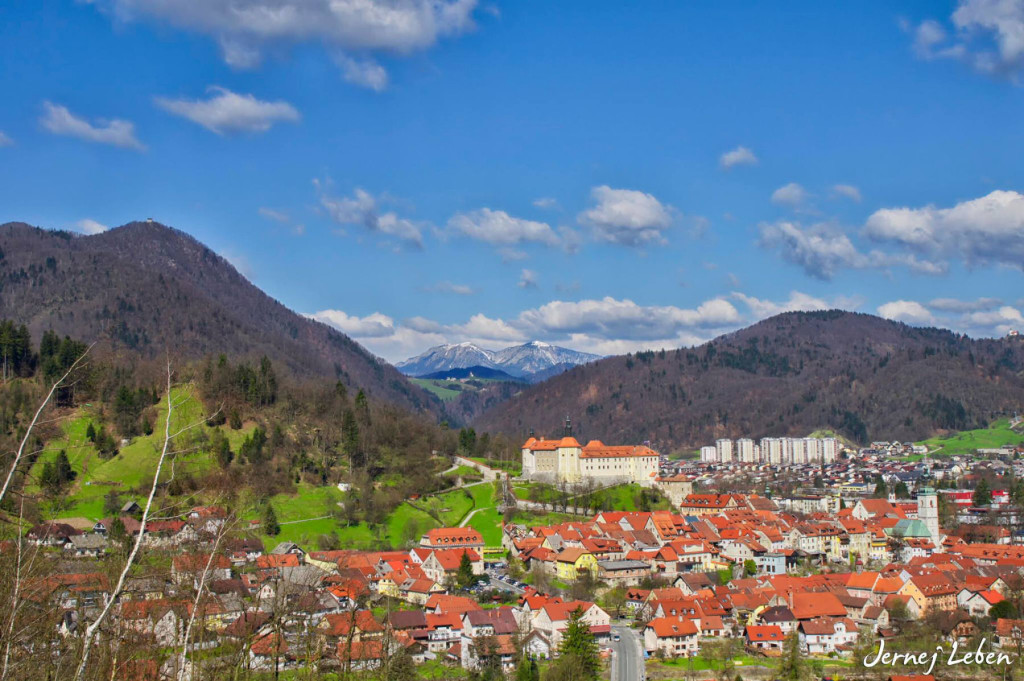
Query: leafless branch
point(28, 432)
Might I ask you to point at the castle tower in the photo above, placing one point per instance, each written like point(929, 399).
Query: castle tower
point(928, 512)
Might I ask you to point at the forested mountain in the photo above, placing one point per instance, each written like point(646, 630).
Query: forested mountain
point(861, 375)
point(145, 287)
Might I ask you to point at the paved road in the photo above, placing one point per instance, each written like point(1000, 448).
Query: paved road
point(465, 521)
point(628, 658)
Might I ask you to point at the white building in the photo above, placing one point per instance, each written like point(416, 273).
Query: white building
point(566, 460)
point(771, 450)
point(745, 450)
point(830, 449)
point(778, 451)
point(724, 450)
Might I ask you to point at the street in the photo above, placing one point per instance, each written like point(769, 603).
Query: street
point(627, 659)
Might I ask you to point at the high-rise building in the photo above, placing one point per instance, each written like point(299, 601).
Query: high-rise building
point(771, 450)
point(745, 450)
point(812, 449)
point(724, 447)
point(799, 451)
point(708, 454)
point(830, 449)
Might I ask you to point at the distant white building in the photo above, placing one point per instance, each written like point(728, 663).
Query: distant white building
point(778, 451)
point(724, 450)
point(745, 450)
point(830, 449)
point(771, 450)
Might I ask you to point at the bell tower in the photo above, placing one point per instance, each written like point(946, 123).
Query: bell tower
point(928, 512)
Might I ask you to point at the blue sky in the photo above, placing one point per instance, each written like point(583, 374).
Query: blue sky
point(596, 174)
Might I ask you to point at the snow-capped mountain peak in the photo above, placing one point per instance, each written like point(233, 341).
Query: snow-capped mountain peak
point(445, 357)
point(534, 357)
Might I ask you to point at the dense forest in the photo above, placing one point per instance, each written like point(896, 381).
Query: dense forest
point(145, 288)
point(863, 376)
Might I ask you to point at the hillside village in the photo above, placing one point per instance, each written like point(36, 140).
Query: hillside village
point(828, 571)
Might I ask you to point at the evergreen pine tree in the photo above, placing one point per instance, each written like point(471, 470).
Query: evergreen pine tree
point(270, 525)
point(464, 577)
point(982, 493)
point(791, 666)
point(64, 471)
point(579, 647)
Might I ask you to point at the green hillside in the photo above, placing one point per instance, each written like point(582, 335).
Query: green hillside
point(130, 471)
point(965, 442)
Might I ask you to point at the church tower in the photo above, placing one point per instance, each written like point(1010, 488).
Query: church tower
point(928, 512)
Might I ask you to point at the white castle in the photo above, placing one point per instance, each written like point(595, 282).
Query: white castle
point(566, 460)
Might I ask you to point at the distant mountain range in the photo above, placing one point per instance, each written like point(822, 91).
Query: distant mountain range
point(860, 375)
point(531, 361)
point(146, 288)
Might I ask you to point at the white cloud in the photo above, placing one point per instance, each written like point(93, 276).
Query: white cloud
point(847, 191)
point(792, 195)
point(115, 131)
point(604, 326)
point(740, 156)
point(822, 250)
point(527, 279)
point(798, 301)
point(979, 318)
point(363, 209)
point(928, 36)
point(499, 228)
point(984, 230)
point(997, 322)
point(614, 326)
point(375, 325)
point(955, 305)
point(90, 226)
point(244, 28)
point(624, 319)
point(276, 216)
point(5, 141)
point(486, 329)
point(363, 72)
point(226, 111)
point(989, 36)
point(449, 287)
point(908, 311)
point(545, 202)
point(627, 217)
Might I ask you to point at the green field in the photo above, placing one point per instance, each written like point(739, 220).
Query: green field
point(133, 466)
point(299, 516)
point(449, 390)
point(967, 441)
point(617, 497)
point(440, 388)
point(466, 472)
